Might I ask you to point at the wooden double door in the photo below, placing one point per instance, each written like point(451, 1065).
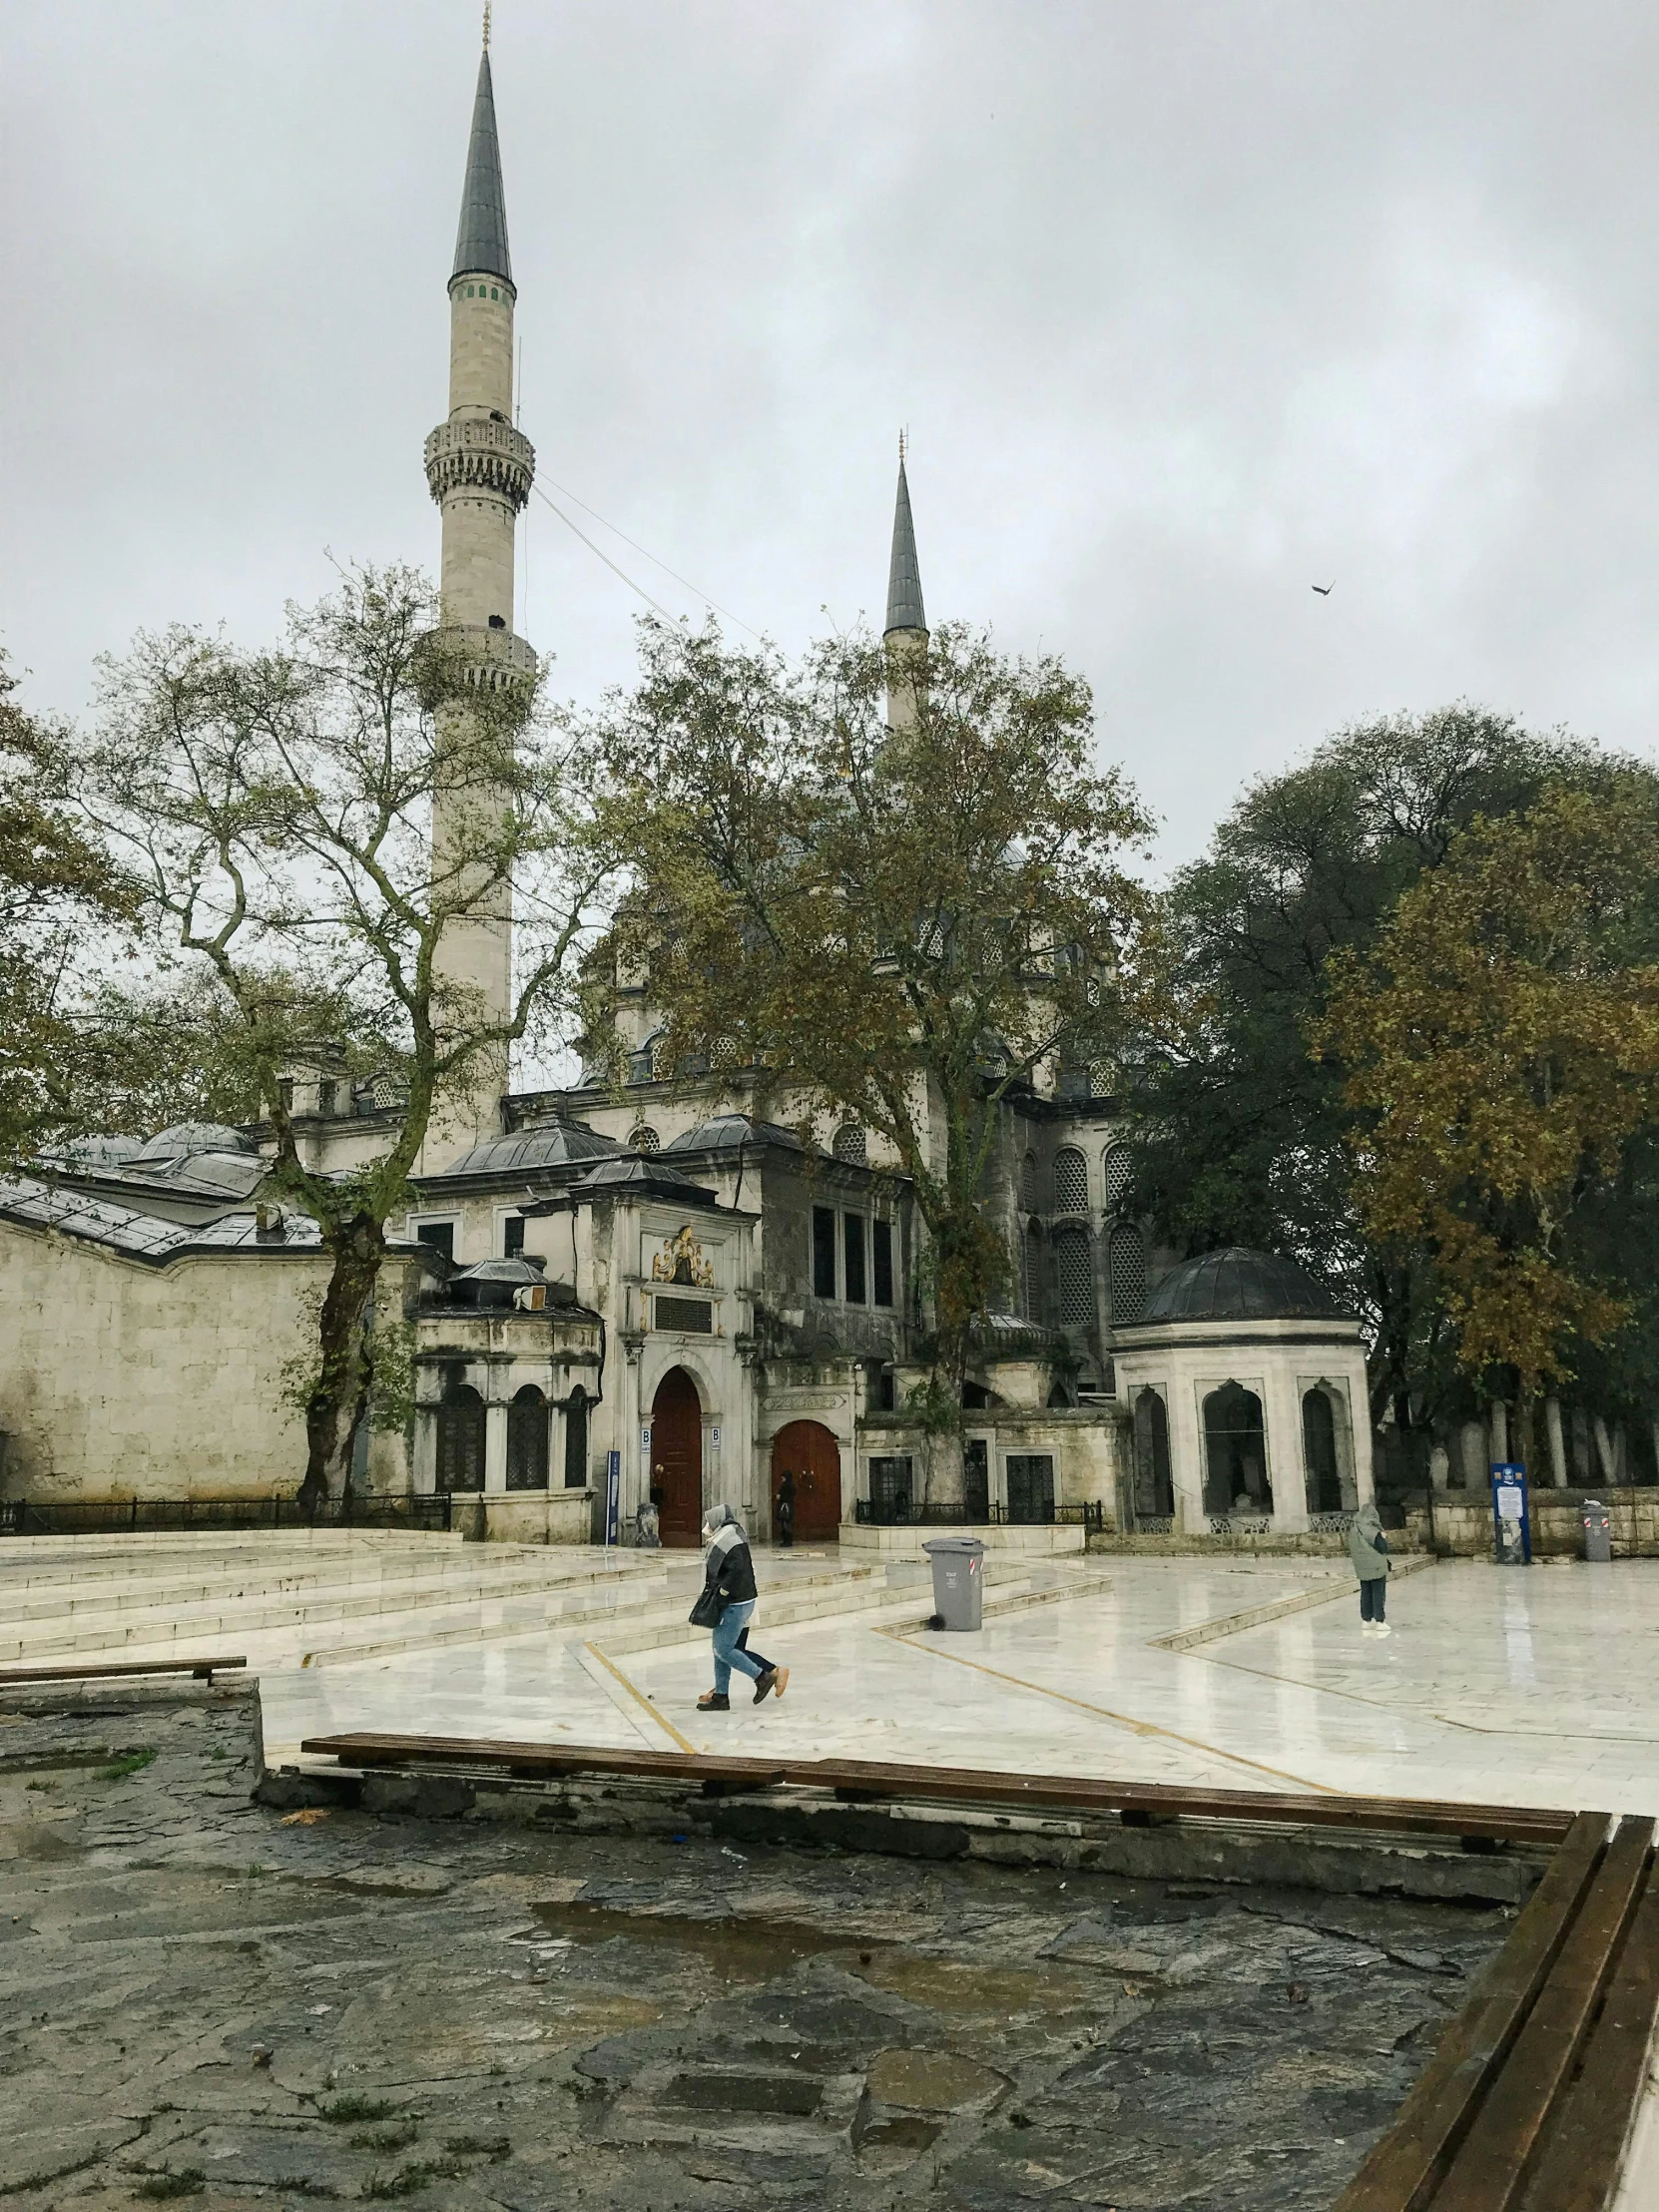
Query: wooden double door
point(808, 1451)
point(676, 1458)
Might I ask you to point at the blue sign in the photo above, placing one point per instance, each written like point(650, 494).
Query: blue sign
point(613, 1497)
point(1511, 1517)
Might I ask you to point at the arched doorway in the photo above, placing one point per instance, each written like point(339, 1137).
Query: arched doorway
point(1234, 1452)
point(677, 1457)
point(1154, 1488)
point(1319, 1452)
point(808, 1451)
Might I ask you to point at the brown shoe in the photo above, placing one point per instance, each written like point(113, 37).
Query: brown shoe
point(775, 1682)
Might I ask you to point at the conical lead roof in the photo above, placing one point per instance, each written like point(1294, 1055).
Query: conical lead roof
point(481, 242)
point(904, 608)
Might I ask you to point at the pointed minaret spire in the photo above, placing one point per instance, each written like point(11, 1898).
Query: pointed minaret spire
point(904, 608)
point(481, 242)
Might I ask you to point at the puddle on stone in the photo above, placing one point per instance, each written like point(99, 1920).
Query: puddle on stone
point(738, 1950)
point(791, 2096)
point(965, 1992)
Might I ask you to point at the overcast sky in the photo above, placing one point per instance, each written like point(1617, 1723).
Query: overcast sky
point(1188, 308)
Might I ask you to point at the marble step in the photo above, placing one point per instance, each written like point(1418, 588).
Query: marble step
point(412, 1617)
point(547, 1568)
point(232, 1622)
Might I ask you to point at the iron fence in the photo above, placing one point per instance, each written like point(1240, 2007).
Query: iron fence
point(904, 1513)
point(127, 1515)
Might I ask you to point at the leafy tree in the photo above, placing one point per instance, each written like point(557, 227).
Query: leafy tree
point(277, 812)
point(1241, 1133)
point(907, 923)
point(1501, 1049)
point(59, 895)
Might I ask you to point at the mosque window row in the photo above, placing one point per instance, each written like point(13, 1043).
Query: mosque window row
point(478, 291)
point(1069, 1181)
point(1056, 1275)
point(853, 1262)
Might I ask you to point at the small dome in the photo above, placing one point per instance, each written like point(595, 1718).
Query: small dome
point(187, 1137)
point(724, 1132)
point(552, 1145)
point(96, 1152)
point(1237, 1285)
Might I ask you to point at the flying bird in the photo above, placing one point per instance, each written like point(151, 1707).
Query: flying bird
point(1324, 590)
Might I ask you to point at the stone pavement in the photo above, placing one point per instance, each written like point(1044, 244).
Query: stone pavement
point(205, 1999)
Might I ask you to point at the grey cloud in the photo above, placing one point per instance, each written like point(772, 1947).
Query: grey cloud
point(1186, 308)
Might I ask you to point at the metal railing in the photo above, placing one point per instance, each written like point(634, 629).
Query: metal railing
point(904, 1513)
point(114, 1516)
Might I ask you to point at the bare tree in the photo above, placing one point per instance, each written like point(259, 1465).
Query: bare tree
point(277, 811)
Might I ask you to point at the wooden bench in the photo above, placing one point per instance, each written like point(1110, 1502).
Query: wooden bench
point(202, 1670)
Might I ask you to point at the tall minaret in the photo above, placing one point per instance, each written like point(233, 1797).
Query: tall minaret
point(906, 636)
point(479, 469)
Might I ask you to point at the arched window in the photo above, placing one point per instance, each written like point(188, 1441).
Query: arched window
point(1234, 1452)
point(1074, 1278)
point(461, 1440)
point(1118, 1167)
point(1033, 1287)
point(527, 1441)
point(645, 1139)
point(1154, 1487)
point(849, 1143)
point(1071, 1182)
point(576, 1441)
point(1126, 1273)
point(1028, 1184)
point(1319, 1452)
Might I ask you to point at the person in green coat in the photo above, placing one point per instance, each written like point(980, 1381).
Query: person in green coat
point(1369, 1550)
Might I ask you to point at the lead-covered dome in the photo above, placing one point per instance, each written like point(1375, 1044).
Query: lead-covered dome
point(1237, 1285)
point(187, 1138)
point(548, 1145)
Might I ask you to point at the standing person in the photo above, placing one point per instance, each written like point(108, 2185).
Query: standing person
point(785, 1516)
point(1369, 1550)
point(726, 1609)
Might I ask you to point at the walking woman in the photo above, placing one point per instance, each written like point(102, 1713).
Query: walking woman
point(726, 1609)
point(1369, 1550)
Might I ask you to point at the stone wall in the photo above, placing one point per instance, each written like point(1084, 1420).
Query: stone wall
point(120, 1380)
point(1464, 1523)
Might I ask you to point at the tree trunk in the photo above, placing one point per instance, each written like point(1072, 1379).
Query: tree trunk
point(1604, 1451)
point(1557, 1444)
point(1621, 1456)
point(340, 1401)
point(1653, 1425)
point(943, 1483)
point(1580, 1446)
point(1526, 1435)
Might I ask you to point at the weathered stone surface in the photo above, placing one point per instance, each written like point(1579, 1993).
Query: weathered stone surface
point(351, 2007)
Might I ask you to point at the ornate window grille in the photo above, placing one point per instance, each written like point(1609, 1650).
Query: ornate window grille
point(849, 1143)
point(1071, 1182)
point(1117, 1167)
point(1126, 1273)
point(1074, 1278)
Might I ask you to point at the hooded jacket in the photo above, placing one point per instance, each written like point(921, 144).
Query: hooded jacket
point(1366, 1546)
point(728, 1566)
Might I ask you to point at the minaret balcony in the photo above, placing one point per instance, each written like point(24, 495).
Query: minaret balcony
point(481, 453)
point(480, 657)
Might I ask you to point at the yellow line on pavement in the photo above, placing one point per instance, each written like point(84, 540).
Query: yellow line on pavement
point(640, 1698)
point(1103, 1712)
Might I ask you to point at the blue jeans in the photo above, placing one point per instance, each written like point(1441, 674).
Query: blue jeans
point(1374, 1596)
point(728, 1630)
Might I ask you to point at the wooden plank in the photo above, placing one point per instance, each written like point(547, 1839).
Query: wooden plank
point(878, 1778)
point(1503, 2139)
point(1580, 2165)
point(111, 1669)
point(370, 1749)
point(1404, 2169)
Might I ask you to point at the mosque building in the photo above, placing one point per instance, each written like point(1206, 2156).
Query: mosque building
point(620, 1295)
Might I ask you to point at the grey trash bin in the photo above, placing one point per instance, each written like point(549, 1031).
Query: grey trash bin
point(959, 1580)
point(1599, 1530)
